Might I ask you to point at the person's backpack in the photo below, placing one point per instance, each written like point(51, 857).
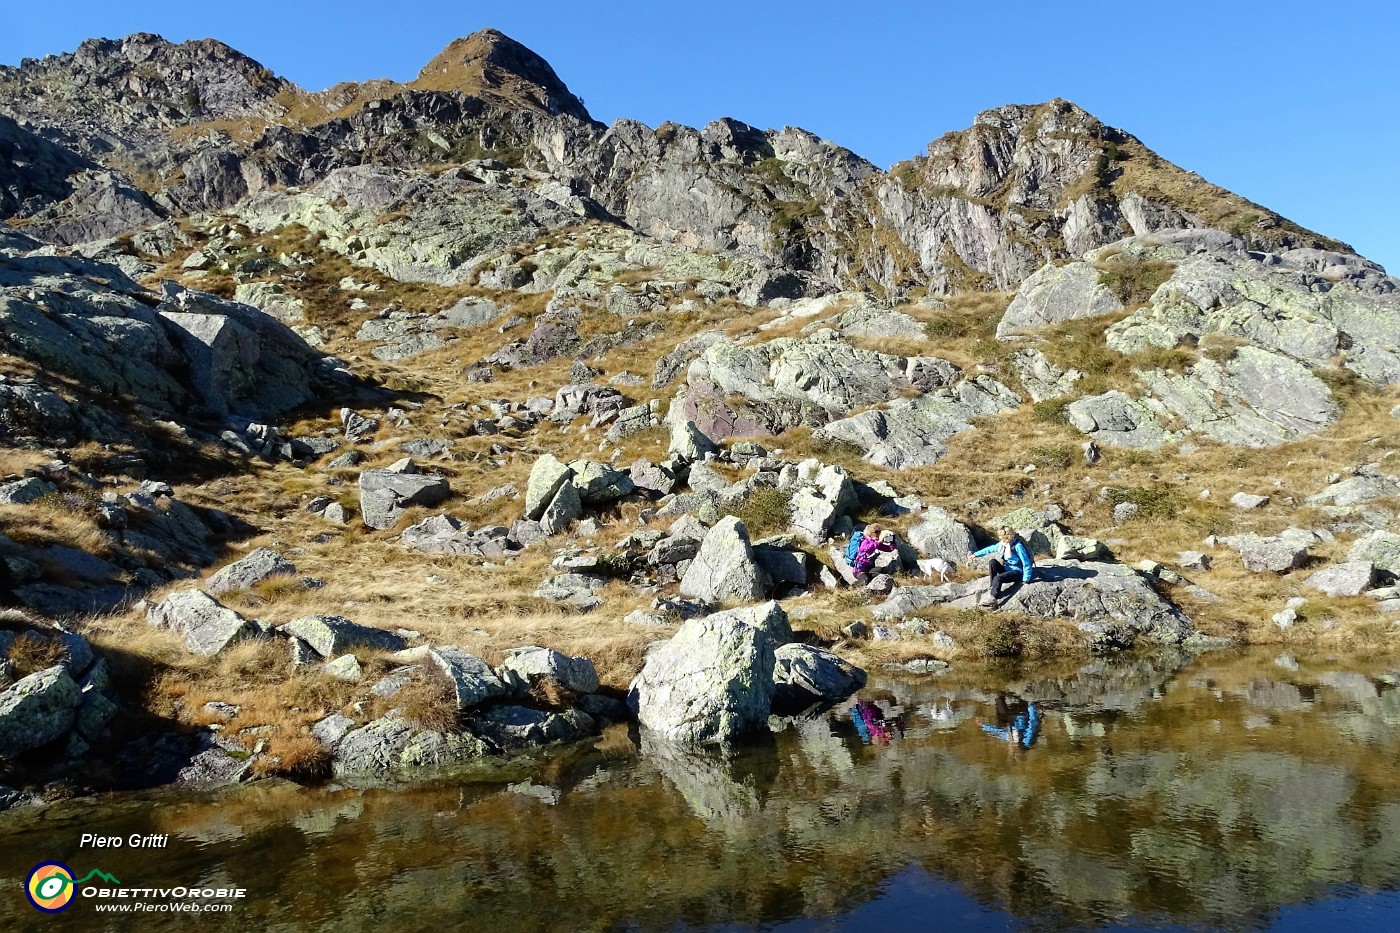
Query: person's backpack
point(854, 546)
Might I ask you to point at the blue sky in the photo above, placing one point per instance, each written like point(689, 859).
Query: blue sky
point(1291, 104)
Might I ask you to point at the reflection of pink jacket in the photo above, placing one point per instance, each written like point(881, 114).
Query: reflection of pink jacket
point(865, 554)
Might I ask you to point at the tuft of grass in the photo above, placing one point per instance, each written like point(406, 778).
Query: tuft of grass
point(1051, 411)
point(31, 653)
point(1001, 635)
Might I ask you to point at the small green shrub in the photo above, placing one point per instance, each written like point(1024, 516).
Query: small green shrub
point(1132, 278)
point(1155, 503)
point(1002, 637)
point(765, 511)
point(1051, 411)
point(949, 327)
point(81, 501)
point(1173, 359)
point(1053, 456)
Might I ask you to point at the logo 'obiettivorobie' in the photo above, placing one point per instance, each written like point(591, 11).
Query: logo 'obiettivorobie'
point(50, 886)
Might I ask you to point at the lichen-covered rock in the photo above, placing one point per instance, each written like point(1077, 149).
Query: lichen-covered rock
point(260, 565)
point(1351, 578)
point(938, 535)
point(815, 508)
point(206, 625)
point(1057, 294)
point(712, 683)
point(25, 491)
point(566, 507)
point(385, 495)
point(1287, 550)
point(689, 443)
point(547, 475)
point(331, 636)
point(911, 432)
point(577, 674)
point(473, 681)
point(514, 728)
point(1042, 378)
point(598, 483)
point(346, 667)
point(1306, 304)
point(804, 675)
point(1118, 421)
point(1381, 548)
point(724, 569)
point(1091, 593)
point(769, 618)
point(1256, 398)
point(37, 710)
point(392, 744)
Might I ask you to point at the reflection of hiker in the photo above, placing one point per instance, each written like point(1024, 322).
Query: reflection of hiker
point(872, 542)
point(1023, 729)
point(1012, 565)
point(871, 724)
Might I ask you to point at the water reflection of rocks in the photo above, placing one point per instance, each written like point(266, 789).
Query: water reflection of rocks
point(1151, 791)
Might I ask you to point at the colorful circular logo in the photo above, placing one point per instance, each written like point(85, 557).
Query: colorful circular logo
point(50, 887)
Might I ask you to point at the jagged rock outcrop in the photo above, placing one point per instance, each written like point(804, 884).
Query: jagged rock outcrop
point(985, 206)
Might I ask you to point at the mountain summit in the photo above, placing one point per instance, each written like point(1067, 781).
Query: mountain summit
point(494, 66)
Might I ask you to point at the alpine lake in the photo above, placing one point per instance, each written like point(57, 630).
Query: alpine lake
point(1236, 790)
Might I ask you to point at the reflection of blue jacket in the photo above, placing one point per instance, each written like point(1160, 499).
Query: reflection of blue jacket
point(1024, 730)
point(1018, 558)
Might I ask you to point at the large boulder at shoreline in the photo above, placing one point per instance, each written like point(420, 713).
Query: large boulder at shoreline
point(803, 676)
point(523, 665)
point(392, 744)
point(472, 679)
point(712, 683)
point(1097, 595)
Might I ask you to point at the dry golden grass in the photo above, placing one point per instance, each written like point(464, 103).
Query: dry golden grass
point(31, 653)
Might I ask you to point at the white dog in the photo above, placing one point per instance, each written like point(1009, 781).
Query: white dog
point(936, 565)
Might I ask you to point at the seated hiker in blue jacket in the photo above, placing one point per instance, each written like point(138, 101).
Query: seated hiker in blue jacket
point(1012, 565)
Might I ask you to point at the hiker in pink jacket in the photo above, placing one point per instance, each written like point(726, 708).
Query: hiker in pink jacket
point(875, 540)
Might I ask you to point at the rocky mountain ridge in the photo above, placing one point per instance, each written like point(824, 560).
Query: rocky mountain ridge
point(198, 126)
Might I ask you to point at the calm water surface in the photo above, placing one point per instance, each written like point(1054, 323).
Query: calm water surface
point(1240, 792)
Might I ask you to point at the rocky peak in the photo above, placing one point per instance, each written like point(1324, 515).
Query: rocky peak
point(141, 80)
point(492, 65)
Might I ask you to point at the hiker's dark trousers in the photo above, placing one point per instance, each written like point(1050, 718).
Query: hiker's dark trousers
point(1001, 577)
